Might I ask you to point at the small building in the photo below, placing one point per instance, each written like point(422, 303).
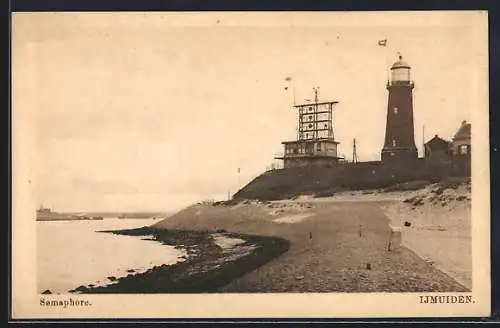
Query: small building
point(310, 153)
point(461, 142)
point(437, 148)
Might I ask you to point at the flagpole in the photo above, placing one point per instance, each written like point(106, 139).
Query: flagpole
point(387, 63)
point(383, 43)
point(291, 85)
point(238, 186)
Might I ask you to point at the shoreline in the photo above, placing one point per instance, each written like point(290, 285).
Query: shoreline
point(207, 267)
point(72, 219)
point(294, 233)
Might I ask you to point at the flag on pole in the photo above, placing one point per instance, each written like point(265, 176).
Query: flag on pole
point(382, 43)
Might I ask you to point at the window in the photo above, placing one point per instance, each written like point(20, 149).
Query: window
point(295, 150)
point(310, 117)
point(310, 109)
point(393, 143)
point(326, 126)
point(395, 110)
point(464, 149)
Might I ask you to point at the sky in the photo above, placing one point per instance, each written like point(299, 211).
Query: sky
point(154, 111)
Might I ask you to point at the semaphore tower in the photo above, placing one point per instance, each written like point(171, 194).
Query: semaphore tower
point(315, 144)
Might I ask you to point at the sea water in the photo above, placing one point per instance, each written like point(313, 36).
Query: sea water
point(73, 253)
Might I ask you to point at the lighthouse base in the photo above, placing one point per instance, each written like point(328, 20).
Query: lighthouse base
point(399, 155)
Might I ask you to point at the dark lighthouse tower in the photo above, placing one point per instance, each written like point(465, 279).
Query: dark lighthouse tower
point(399, 145)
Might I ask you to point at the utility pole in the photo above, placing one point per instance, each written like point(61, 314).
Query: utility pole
point(423, 140)
point(316, 91)
point(354, 152)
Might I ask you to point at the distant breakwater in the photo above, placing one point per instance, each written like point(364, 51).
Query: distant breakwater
point(71, 219)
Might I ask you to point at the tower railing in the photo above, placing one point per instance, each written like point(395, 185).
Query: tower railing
point(405, 83)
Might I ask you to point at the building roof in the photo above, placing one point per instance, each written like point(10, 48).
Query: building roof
point(437, 142)
point(400, 64)
point(304, 141)
point(464, 132)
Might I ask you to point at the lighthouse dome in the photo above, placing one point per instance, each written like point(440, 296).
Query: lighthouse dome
point(400, 64)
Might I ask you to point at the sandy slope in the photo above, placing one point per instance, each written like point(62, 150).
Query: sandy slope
point(440, 229)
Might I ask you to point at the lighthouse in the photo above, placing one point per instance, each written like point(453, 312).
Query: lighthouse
point(399, 144)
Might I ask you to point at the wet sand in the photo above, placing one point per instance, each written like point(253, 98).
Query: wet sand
point(214, 260)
